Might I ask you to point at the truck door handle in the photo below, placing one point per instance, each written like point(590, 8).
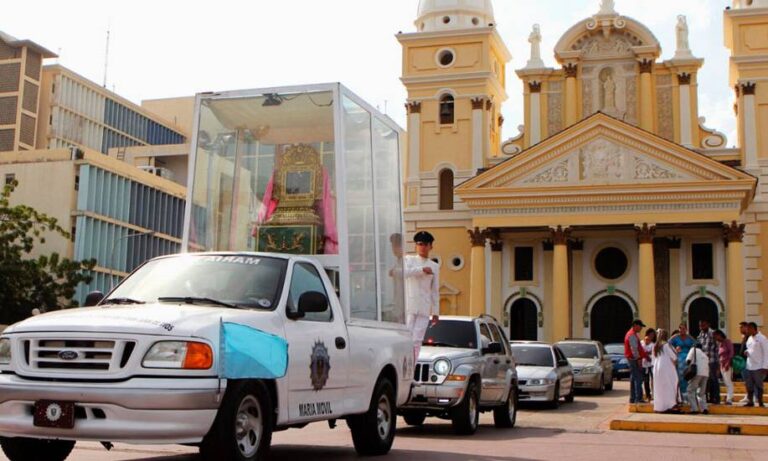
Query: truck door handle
point(496, 361)
point(340, 343)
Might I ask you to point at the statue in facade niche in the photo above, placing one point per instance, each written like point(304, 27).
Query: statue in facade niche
point(609, 94)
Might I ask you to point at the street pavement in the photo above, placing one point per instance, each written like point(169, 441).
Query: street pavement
point(576, 431)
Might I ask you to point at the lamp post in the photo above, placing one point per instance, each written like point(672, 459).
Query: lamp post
point(112, 253)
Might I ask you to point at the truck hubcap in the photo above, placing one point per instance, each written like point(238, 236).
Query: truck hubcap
point(473, 409)
point(384, 417)
point(511, 405)
point(248, 426)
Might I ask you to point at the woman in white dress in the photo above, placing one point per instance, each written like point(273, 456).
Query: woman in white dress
point(664, 374)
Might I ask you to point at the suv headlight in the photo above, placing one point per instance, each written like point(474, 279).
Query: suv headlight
point(185, 355)
point(593, 370)
point(5, 351)
point(442, 367)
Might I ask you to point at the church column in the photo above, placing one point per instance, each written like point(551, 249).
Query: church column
point(735, 306)
point(535, 114)
point(571, 98)
point(477, 275)
point(750, 125)
point(646, 95)
point(497, 247)
point(560, 286)
point(414, 140)
point(686, 137)
point(477, 133)
point(647, 279)
point(675, 307)
point(577, 303)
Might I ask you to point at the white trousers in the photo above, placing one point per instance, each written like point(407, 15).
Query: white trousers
point(728, 380)
point(418, 325)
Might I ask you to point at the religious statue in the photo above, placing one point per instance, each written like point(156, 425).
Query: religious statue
point(681, 32)
point(609, 94)
point(535, 40)
point(607, 7)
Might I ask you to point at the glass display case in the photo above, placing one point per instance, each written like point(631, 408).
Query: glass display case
point(310, 170)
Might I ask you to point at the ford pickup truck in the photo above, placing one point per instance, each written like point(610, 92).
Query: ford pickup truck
point(150, 363)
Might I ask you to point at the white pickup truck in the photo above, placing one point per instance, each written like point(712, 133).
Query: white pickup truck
point(145, 365)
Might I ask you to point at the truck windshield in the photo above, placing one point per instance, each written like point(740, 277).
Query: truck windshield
point(579, 351)
point(239, 280)
point(532, 356)
point(451, 333)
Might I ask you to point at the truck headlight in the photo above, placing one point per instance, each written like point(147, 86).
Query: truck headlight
point(442, 367)
point(5, 351)
point(185, 355)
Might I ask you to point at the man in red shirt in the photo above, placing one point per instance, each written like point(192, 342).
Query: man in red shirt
point(635, 354)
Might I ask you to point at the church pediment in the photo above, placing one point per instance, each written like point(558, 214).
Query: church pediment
point(602, 162)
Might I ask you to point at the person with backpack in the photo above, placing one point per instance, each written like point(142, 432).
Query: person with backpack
point(697, 374)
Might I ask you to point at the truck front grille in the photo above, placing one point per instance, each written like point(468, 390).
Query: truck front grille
point(421, 373)
point(100, 355)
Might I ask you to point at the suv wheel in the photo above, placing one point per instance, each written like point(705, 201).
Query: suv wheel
point(466, 415)
point(505, 416)
point(23, 449)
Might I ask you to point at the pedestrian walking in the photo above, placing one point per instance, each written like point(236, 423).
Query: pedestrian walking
point(725, 354)
point(682, 343)
point(697, 385)
point(664, 374)
point(757, 348)
point(422, 287)
point(634, 354)
point(648, 342)
point(709, 346)
point(743, 329)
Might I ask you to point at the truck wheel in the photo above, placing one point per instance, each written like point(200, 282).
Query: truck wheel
point(505, 416)
point(415, 418)
point(466, 415)
point(242, 430)
point(374, 431)
point(22, 449)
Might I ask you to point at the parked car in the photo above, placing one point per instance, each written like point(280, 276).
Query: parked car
point(620, 365)
point(543, 373)
point(465, 367)
point(592, 368)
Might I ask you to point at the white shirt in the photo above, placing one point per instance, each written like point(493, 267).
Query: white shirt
point(702, 361)
point(756, 352)
point(422, 291)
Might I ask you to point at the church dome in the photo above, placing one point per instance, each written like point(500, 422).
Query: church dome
point(436, 15)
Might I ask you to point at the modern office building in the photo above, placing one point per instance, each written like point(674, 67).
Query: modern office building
point(115, 213)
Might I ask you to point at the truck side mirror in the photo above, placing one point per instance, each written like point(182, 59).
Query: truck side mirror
point(93, 298)
point(493, 348)
point(313, 301)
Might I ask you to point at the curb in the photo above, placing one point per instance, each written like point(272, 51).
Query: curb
point(713, 410)
point(690, 428)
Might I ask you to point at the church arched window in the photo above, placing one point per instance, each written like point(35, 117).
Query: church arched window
point(446, 189)
point(446, 109)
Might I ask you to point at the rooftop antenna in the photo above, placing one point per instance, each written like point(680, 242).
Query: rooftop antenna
point(106, 57)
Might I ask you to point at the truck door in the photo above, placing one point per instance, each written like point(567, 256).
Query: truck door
point(318, 349)
point(492, 364)
point(504, 360)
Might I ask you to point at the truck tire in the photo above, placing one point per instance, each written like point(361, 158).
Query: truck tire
point(505, 416)
point(466, 415)
point(23, 449)
point(373, 432)
point(414, 418)
point(242, 430)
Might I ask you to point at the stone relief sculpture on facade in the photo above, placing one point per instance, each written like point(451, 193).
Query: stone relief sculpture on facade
point(664, 106)
point(555, 108)
point(556, 174)
point(601, 160)
point(647, 170)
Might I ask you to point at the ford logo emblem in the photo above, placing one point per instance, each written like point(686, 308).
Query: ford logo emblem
point(69, 355)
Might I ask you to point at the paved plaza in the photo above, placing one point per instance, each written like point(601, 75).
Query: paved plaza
point(577, 431)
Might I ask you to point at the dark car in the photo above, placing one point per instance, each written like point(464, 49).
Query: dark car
point(620, 365)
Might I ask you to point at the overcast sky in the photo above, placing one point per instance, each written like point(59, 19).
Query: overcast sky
point(165, 48)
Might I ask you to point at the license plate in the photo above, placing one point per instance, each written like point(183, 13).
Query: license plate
point(59, 415)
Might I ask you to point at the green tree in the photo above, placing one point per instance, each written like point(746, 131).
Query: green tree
point(26, 283)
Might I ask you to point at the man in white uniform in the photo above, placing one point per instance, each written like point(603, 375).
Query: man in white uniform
point(422, 289)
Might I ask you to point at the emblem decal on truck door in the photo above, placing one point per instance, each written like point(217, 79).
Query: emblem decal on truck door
point(319, 365)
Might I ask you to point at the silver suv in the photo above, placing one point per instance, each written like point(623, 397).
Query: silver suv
point(465, 367)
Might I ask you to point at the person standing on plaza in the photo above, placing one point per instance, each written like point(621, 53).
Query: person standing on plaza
point(709, 346)
point(756, 362)
point(634, 353)
point(725, 354)
point(697, 386)
point(664, 374)
point(682, 342)
point(422, 289)
point(648, 342)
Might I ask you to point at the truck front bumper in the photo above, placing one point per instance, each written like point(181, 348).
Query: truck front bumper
point(139, 410)
point(435, 396)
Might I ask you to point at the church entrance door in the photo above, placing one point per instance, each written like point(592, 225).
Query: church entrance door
point(702, 309)
point(610, 319)
point(523, 320)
